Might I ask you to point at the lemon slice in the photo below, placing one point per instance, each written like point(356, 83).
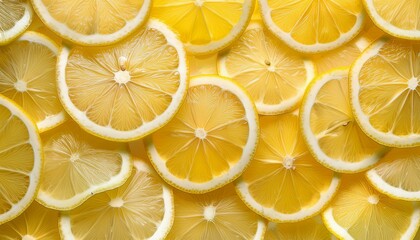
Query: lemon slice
point(142, 208)
point(284, 183)
point(360, 212)
point(385, 92)
point(274, 75)
point(313, 26)
point(211, 139)
point(127, 91)
point(328, 125)
point(205, 26)
point(78, 165)
point(36, 222)
point(397, 175)
point(93, 23)
point(38, 26)
point(20, 160)
point(28, 77)
point(398, 18)
point(15, 18)
point(216, 215)
point(312, 228)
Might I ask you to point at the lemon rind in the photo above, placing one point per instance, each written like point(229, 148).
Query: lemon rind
point(20, 26)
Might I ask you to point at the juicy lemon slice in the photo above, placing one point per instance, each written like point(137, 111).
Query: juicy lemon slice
point(284, 183)
point(142, 208)
point(328, 125)
point(20, 160)
point(92, 22)
point(211, 139)
point(216, 215)
point(205, 26)
point(127, 91)
point(397, 175)
point(78, 165)
point(398, 18)
point(360, 212)
point(28, 77)
point(313, 26)
point(274, 75)
point(15, 18)
point(385, 92)
point(312, 228)
point(36, 222)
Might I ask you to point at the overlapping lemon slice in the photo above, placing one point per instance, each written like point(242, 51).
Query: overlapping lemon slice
point(28, 77)
point(78, 165)
point(15, 18)
point(20, 160)
point(211, 139)
point(360, 212)
point(274, 75)
point(126, 91)
point(313, 26)
point(142, 208)
point(385, 92)
point(91, 22)
point(219, 214)
point(284, 183)
point(205, 26)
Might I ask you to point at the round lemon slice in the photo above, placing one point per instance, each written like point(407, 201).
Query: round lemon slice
point(20, 160)
point(93, 23)
point(78, 165)
point(205, 26)
point(28, 77)
point(397, 174)
point(142, 208)
point(385, 92)
point(36, 222)
point(329, 127)
point(312, 228)
point(15, 18)
point(360, 212)
point(126, 91)
point(398, 18)
point(274, 75)
point(216, 215)
point(284, 183)
point(211, 139)
point(313, 26)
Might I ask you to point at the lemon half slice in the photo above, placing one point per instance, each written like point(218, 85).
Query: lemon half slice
point(15, 18)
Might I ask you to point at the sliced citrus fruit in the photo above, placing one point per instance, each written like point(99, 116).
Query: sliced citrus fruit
point(78, 165)
point(38, 26)
point(15, 18)
point(142, 208)
point(203, 64)
point(397, 175)
point(28, 77)
point(313, 26)
point(284, 183)
point(398, 18)
point(385, 92)
point(126, 91)
point(360, 212)
point(216, 215)
point(36, 222)
point(312, 228)
point(20, 160)
point(211, 139)
point(205, 26)
point(329, 127)
point(92, 22)
point(275, 75)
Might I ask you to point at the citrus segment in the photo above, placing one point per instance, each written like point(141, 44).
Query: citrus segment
point(143, 77)
point(15, 18)
point(274, 75)
point(284, 183)
point(211, 139)
point(142, 208)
